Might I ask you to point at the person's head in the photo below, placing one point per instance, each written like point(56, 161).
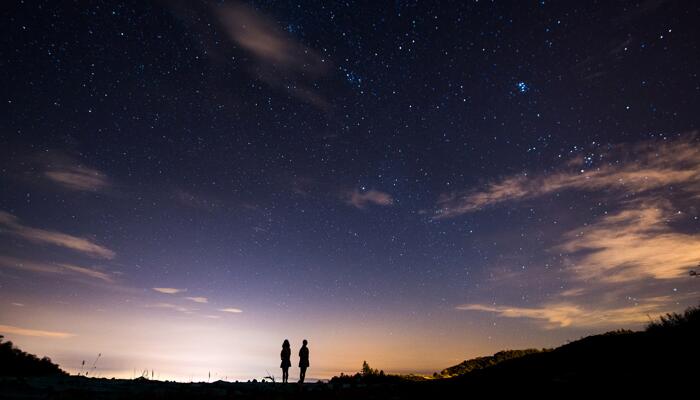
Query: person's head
point(285, 344)
point(305, 342)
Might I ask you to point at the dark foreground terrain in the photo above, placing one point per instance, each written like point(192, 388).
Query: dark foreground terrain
point(663, 361)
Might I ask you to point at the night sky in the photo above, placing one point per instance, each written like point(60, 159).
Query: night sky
point(185, 184)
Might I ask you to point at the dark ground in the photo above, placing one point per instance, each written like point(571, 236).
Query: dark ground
point(89, 388)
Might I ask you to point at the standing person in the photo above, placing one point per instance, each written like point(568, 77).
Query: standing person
point(303, 361)
point(285, 355)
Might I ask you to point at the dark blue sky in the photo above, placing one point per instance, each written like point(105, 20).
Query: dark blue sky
point(497, 174)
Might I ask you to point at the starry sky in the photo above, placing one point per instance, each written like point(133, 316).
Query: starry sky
point(185, 184)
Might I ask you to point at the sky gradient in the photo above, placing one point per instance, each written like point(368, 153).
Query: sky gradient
point(185, 184)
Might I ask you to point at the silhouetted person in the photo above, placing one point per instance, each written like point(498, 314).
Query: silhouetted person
point(285, 355)
point(303, 361)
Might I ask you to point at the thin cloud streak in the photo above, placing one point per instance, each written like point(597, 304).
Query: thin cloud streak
point(566, 314)
point(58, 168)
point(168, 290)
point(654, 166)
point(79, 178)
point(15, 330)
point(198, 299)
point(54, 268)
point(12, 226)
point(360, 199)
point(92, 273)
point(231, 310)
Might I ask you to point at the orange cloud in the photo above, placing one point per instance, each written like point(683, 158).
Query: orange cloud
point(563, 315)
point(362, 199)
point(634, 244)
point(14, 227)
point(14, 330)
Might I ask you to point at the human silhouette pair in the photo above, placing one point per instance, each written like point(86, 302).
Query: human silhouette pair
point(286, 354)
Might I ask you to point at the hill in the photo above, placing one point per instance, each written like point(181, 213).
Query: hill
point(666, 351)
point(474, 364)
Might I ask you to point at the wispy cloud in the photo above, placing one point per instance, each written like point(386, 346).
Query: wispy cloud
point(198, 299)
point(566, 314)
point(638, 246)
point(280, 61)
point(55, 268)
point(15, 330)
point(574, 292)
point(637, 169)
point(361, 199)
point(78, 177)
point(58, 168)
point(231, 310)
point(264, 39)
point(93, 273)
point(633, 244)
point(12, 226)
point(168, 290)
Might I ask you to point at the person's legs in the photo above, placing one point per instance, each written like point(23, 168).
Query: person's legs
point(302, 374)
point(285, 375)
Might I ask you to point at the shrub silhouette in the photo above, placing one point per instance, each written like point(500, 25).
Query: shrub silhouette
point(368, 371)
point(15, 362)
point(367, 375)
point(687, 321)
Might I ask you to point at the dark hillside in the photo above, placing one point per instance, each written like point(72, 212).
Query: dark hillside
point(666, 350)
point(15, 362)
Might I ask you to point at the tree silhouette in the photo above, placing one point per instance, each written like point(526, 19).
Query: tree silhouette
point(367, 370)
point(15, 362)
